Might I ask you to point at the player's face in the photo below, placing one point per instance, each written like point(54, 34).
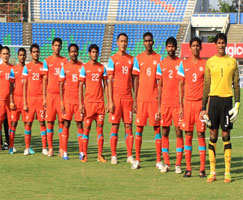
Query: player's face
point(22, 57)
point(171, 49)
point(35, 54)
point(56, 47)
point(73, 53)
point(195, 48)
point(94, 54)
point(148, 42)
point(5, 55)
point(122, 43)
point(221, 45)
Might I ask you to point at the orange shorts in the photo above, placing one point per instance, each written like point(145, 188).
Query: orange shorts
point(72, 109)
point(147, 110)
point(94, 111)
point(168, 114)
point(4, 109)
point(35, 107)
point(123, 109)
point(15, 114)
point(191, 116)
point(53, 107)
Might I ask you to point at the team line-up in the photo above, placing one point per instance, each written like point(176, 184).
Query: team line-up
point(188, 92)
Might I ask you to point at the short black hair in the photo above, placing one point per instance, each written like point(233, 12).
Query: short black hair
point(171, 40)
point(221, 36)
point(196, 39)
point(34, 46)
point(148, 34)
point(22, 49)
point(73, 45)
point(93, 46)
point(1, 47)
point(6, 47)
point(122, 34)
point(57, 39)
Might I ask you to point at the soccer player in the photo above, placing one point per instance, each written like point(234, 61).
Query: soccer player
point(191, 76)
point(5, 73)
point(16, 96)
point(33, 99)
point(69, 96)
point(170, 107)
point(51, 69)
point(221, 72)
point(119, 72)
point(93, 75)
point(146, 97)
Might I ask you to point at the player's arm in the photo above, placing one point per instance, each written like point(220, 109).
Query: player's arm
point(106, 94)
point(45, 79)
point(11, 89)
point(181, 97)
point(81, 96)
point(135, 82)
point(160, 84)
point(206, 89)
point(110, 94)
point(25, 82)
point(61, 85)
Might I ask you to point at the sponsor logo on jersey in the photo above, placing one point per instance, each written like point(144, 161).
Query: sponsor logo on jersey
point(129, 62)
point(117, 63)
point(155, 62)
point(176, 67)
point(187, 70)
point(99, 70)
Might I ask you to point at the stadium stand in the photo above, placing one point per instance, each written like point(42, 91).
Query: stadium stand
point(11, 34)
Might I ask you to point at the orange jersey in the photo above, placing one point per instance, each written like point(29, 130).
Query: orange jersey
point(193, 74)
point(33, 73)
point(18, 80)
point(52, 67)
point(170, 90)
point(5, 74)
point(121, 69)
point(146, 66)
point(93, 76)
point(69, 75)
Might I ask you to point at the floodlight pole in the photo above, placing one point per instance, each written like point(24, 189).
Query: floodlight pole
point(239, 11)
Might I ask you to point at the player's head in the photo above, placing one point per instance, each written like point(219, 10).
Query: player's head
point(196, 46)
point(171, 46)
point(5, 54)
point(1, 48)
point(122, 42)
point(22, 55)
point(93, 52)
point(35, 51)
point(73, 51)
point(57, 45)
point(148, 41)
point(221, 43)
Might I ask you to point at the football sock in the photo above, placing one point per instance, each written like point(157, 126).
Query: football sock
point(179, 150)
point(227, 156)
point(100, 140)
point(138, 141)
point(80, 141)
point(188, 151)
point(60, 136)
point(113, 140)
point(65, 135)
point(165, 149)
point(158, 143)
point(85, 140)
point(129, 141)
point(212, 155)
point(202, 151)
point(11, 136)
point(50, 133)
point(27, 136)
point(43, 136)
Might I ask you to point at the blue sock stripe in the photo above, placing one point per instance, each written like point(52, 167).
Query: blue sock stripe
point(99, 136)
point(139, 134)
point(49, 130)
point(0, 132)
point(60, 130)
point(189, 148)
point(165, 150)
point(43, 133)
point(179, 150)
point(12, 131)
point(27, 132)
point(85, 137)
point(126, 136)
point(79, 134)
point(157, 136)
point(202, 148)
point(114, 135)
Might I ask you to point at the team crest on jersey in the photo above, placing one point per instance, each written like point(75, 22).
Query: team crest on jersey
point(12, 116)
point(99, 70)
point(200, 69)
point(183, 125)
point(129, 62)
point(137, 120)
point(154, 62)
point(62, 64)
point(40, 68)
point(176, 67)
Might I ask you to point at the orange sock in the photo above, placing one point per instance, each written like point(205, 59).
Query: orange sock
point(188, 152)
point(129, 141)
point(158, 142)
point(50, 135)
point(113, 140)
point(138, 141)
point(202, 151)
point(179, 150)
point(11, 136)
point(85, 140)
point(27, 136)
point(100, 140)
point(43, 136)
point(80, 141)
point(60, 136)
point(165, 149)
point(65, 135)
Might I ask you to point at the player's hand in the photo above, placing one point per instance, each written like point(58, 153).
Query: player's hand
point(12, 106)
point(44, 104)
point(135, 107)
point(107, 108)
point(204, 118)
point(234, 112)
point(181, 113)
point(159, 113)
point(25, 108)
point(81, 109)
point(63, 109)
point(111, 107)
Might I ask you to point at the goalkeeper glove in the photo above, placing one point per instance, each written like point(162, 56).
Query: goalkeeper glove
point(206, 120)
point(234, 112)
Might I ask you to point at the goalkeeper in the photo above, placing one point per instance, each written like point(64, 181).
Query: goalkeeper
point(221, 72)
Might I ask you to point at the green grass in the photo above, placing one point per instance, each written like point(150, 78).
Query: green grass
point(41, 177)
